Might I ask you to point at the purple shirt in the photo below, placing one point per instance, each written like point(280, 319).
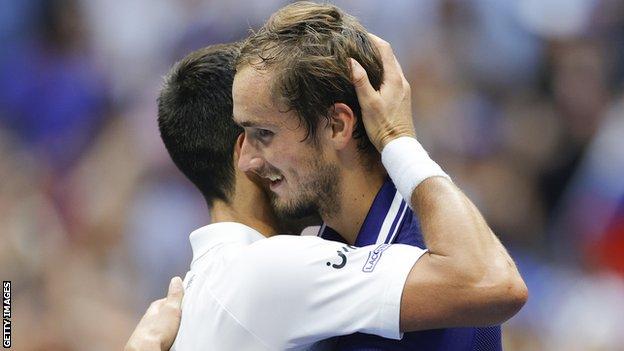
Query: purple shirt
point(390, 220)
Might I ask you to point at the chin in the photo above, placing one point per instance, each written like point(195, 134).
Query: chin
point(291, 209)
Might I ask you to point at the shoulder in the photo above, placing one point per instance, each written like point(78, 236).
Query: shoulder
point(294, 261)
point(284, 251)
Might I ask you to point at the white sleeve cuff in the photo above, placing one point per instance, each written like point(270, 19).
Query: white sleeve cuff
point(403, 259)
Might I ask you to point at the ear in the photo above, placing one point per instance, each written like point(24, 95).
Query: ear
point(342, 124)
point(238, 147)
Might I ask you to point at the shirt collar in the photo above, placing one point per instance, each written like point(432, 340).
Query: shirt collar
point(207, 237)
point(381, 208)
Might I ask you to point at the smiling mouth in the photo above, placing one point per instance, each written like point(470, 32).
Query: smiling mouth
point(274, 180)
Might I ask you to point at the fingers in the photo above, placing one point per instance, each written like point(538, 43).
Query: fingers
point(160, 322)
point(392, 69)
point(155, 306)
point(359, 77)
point(176, 292)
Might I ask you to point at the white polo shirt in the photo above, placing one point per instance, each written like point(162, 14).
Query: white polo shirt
point(246, 292)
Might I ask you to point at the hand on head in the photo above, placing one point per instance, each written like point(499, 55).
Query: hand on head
point(386, 113)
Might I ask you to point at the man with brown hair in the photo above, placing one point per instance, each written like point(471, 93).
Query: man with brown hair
point(307, 137)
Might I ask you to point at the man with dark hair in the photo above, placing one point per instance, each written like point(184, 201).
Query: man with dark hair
point(197, 86)
point(304, 134)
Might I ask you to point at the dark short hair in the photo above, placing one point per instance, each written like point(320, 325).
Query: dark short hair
point(307, 46)
point(195, 119)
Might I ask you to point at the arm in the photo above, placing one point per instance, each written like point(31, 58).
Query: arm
point(467, 278)
point(158, 328)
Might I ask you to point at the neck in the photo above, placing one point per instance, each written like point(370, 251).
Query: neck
point(358, 189)
point(252, 214)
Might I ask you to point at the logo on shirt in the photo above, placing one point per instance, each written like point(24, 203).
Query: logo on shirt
point(190, 281)
point(342, 257)
point(373, 258)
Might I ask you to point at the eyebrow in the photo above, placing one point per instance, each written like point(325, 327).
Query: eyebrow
point(247, 124)
point(252, 124)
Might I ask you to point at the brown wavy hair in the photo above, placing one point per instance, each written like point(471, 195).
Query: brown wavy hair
point(307, 46)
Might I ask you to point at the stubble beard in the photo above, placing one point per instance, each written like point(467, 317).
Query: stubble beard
point(318, 194)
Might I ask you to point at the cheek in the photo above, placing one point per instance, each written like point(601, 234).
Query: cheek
point(304, 166)
point(292, 166)
point(285, 155)
point(291, 156)
point(288, 163)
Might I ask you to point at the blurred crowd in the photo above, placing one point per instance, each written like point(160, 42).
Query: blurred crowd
point(521, 102)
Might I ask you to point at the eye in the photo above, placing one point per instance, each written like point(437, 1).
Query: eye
point(263, 135)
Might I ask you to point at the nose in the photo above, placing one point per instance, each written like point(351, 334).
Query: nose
point(249, 159)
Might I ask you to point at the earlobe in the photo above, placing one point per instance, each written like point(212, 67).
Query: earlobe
point(342, 124)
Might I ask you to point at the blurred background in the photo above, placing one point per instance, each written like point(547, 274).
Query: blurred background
point(521, 101)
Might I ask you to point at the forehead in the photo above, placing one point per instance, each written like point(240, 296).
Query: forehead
point(253, 102)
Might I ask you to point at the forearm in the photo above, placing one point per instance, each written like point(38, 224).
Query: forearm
point(453, 227)
point(467, 277)
point(467, 271)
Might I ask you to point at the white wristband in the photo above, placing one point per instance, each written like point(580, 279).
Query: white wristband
point(408, 164)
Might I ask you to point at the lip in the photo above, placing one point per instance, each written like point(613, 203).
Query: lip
point(276, 184)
